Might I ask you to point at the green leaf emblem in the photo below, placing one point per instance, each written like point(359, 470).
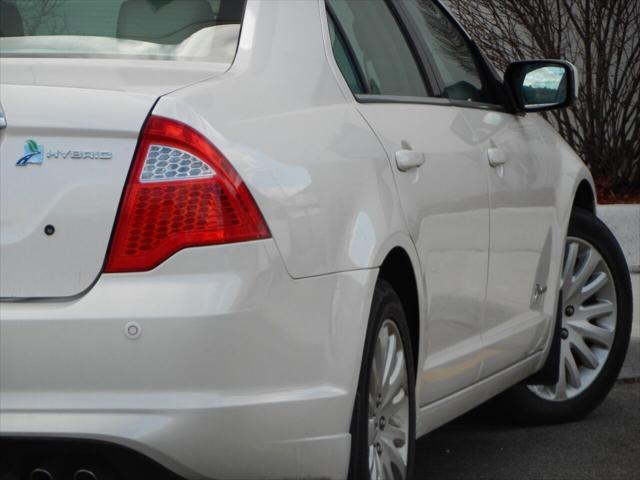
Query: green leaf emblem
point(32, 146)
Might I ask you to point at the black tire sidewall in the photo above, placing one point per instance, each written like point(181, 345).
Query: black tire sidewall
point(533, 409)
point(386, 305)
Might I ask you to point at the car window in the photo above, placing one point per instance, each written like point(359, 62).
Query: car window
point(198, 30)
point(380, 48)
point(451, 53)
point(344, 59)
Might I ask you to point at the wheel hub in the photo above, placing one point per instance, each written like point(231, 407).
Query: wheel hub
point(382, 423)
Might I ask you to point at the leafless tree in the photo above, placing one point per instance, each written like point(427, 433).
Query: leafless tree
point(42, 16)
point(602, 38)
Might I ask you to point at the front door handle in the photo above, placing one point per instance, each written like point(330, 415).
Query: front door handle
point(408, 159)
point(497, 157)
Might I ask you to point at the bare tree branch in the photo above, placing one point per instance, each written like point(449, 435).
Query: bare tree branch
point(602, 38)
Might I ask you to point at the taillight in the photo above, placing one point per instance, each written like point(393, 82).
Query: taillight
point(181, 192)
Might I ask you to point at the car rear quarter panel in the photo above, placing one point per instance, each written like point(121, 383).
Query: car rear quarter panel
point(318, 173)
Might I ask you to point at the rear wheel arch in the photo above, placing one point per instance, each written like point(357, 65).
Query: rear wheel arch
point(398, 271)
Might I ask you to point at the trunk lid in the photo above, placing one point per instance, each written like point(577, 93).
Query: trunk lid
point(64, 158)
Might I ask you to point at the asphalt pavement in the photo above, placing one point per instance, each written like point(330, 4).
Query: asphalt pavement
point(604, 446)
point(481, 445)
point(631, 368)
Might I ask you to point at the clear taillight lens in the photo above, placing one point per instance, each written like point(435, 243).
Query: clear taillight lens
point(181, 192)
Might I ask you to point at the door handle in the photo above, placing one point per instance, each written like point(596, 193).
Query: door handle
point(497, 157)
point(408, 159)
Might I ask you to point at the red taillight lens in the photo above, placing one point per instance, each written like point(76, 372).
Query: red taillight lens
point(182, 192)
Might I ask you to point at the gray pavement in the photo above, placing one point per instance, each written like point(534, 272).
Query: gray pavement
point(606, 445)
point(631, 367)
point(624, 222)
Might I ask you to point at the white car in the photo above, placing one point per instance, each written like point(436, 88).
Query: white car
point(248, 239)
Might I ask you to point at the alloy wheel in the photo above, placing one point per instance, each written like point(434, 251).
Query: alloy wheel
point(589, 318)
point(388, 406)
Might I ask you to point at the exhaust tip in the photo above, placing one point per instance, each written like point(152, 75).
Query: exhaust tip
point(40, 474)
point(83, 474)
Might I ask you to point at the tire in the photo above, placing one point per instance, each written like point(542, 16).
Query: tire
point(535, 405)
point(384, 431)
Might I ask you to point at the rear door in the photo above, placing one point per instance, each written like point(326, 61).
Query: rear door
point(441, 182)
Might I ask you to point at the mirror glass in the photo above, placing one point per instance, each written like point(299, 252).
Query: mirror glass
point(544, 85)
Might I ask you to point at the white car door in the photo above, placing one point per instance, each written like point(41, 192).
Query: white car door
point(442, 184)
point(512, 150)
point(522, 199)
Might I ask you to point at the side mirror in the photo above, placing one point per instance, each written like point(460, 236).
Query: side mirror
point(540, 85)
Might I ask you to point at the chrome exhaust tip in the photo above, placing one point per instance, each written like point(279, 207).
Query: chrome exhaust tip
point(84, 474)
point(40, 474)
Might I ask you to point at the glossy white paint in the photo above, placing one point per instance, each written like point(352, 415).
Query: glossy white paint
point(325, 185)
point(252, 351)
point(151, 77)
point(446, 204)
point(78, 196)
point(522, 232)
point(223, 365)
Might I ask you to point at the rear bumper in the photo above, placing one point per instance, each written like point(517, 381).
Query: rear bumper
point(239, 371)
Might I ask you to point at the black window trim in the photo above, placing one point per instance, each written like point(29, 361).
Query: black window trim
point(441, 101)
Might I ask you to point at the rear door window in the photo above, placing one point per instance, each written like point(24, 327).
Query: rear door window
point(205, 30)
point(452, 55)
point(378, 44)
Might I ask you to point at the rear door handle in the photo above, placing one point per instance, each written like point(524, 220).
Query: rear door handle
point(497, 157)
point(408, 159)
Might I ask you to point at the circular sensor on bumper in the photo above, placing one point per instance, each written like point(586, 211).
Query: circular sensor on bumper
point(132, 330)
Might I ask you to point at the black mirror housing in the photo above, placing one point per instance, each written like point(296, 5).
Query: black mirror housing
point(542, 85)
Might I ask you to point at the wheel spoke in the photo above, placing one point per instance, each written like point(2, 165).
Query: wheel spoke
point(398, 403)
point(594, 286)
point(396, 380)
point(569, 265)
point(386, 464)
point(375, 466)
point(586, 356)
point(390, 359)
point(572, 371)
point(372, 462)
point(560, 390)
point(598, 310)
point(379, 356)
point(592, 332)
point(393, 456)
point(585, 269)
point(371, 430)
